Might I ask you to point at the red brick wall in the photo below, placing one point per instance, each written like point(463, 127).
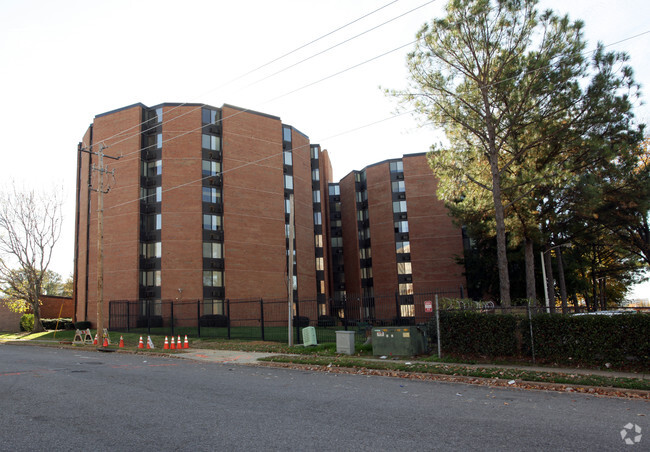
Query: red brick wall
point(253, 197)
point(304, 216)
point(55, 307)
point(350, 236)
point(382, 230)
point(435, 240)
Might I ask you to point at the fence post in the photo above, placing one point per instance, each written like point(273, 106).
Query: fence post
point(532, 340)
point(198, 317)
point(438, 328)
point(128, 316)
point(228, 310)
point(297, 322)
point(172, 313)
point(262, 317)
point(345, 313)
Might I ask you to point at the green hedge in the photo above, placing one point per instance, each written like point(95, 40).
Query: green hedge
point(594, 339)
point(64, 324)
point(619, 340)
point(475, 333)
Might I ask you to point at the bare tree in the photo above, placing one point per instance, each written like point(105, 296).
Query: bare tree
point(30, 226)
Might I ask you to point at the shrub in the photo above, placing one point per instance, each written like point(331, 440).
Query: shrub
point(326, 320)
point(82, 325)
point(63, 324)
point(155, 321)
point(213, 320)
point(300, 321)
point(27, 322)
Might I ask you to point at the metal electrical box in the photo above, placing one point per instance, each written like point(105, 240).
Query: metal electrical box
point(398, 341)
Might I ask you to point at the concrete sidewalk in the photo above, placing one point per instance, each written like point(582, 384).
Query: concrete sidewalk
point(240, 357)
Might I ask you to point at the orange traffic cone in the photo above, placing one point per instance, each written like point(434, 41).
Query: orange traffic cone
point(178, 343)
point(121, 342)
point(166, 346)
point(95, 341)
point(186, 344)
point(141, 344)
point(173, 344)
point(105, 344)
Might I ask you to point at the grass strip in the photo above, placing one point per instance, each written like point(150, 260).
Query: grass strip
point(480, 372)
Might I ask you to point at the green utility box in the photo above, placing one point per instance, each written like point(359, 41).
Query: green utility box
point(309, 336)
point(398, 341)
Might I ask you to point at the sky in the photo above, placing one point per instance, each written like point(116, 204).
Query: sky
point(63, 62)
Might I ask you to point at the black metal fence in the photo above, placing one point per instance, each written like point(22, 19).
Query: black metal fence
point(268, 318)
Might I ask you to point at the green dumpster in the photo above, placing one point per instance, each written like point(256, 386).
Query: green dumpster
point(398, 341)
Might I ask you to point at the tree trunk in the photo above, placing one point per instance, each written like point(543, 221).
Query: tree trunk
point(38, 326)
point(529, 257)
point(550, 286)
point(560, 272)
point(499, 216)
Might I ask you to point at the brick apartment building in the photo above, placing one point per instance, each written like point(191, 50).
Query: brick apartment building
point(198, 209)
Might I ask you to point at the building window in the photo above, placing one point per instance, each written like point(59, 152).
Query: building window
point(212, 307)
point(360, 177)
point(314, 152)
point(335, 223)
point(210, 168)
point(407, 310)
point(151, 195)
point(151, 169)
point(315, 175)
point(334, 190)
point(366, 272)
point(402, 247)
point(401, 227)
point(288, 182)
point(152, 222)
point(212, 250)
point(396, 167)
point(337, 242)
point(316, 196)
point(159, 114)
point(151, 250)
point(404, 268)
point(211, 194)
point(398, 186)
point(288, 159)
point(321, 287)
point(319, 264)
point(159, 141)
point(317, 218)
point(406, 289)
point(364, 233)
point(399, 206)
point(364, 253)
point(210, 142)
point(286, 134)
point(287, 206)
point(150, 278)
point(318, 240)
point(211, 222)
point(212, 278)
point(209, 116)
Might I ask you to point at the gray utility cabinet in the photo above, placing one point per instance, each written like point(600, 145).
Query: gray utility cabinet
point(399, 341)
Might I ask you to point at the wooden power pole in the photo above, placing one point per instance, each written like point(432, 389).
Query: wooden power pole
point(101, 190)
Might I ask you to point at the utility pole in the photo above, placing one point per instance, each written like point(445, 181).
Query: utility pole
point(101, 170)
point(290, 272)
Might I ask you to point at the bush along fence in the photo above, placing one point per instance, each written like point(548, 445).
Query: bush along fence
point(618, 340)
point(268, 318)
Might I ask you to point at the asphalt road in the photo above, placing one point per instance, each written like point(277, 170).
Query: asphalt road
point(61, 399)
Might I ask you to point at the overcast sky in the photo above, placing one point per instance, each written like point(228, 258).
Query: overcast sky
point(65, 61)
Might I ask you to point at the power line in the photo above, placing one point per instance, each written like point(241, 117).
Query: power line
point(266, 64)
